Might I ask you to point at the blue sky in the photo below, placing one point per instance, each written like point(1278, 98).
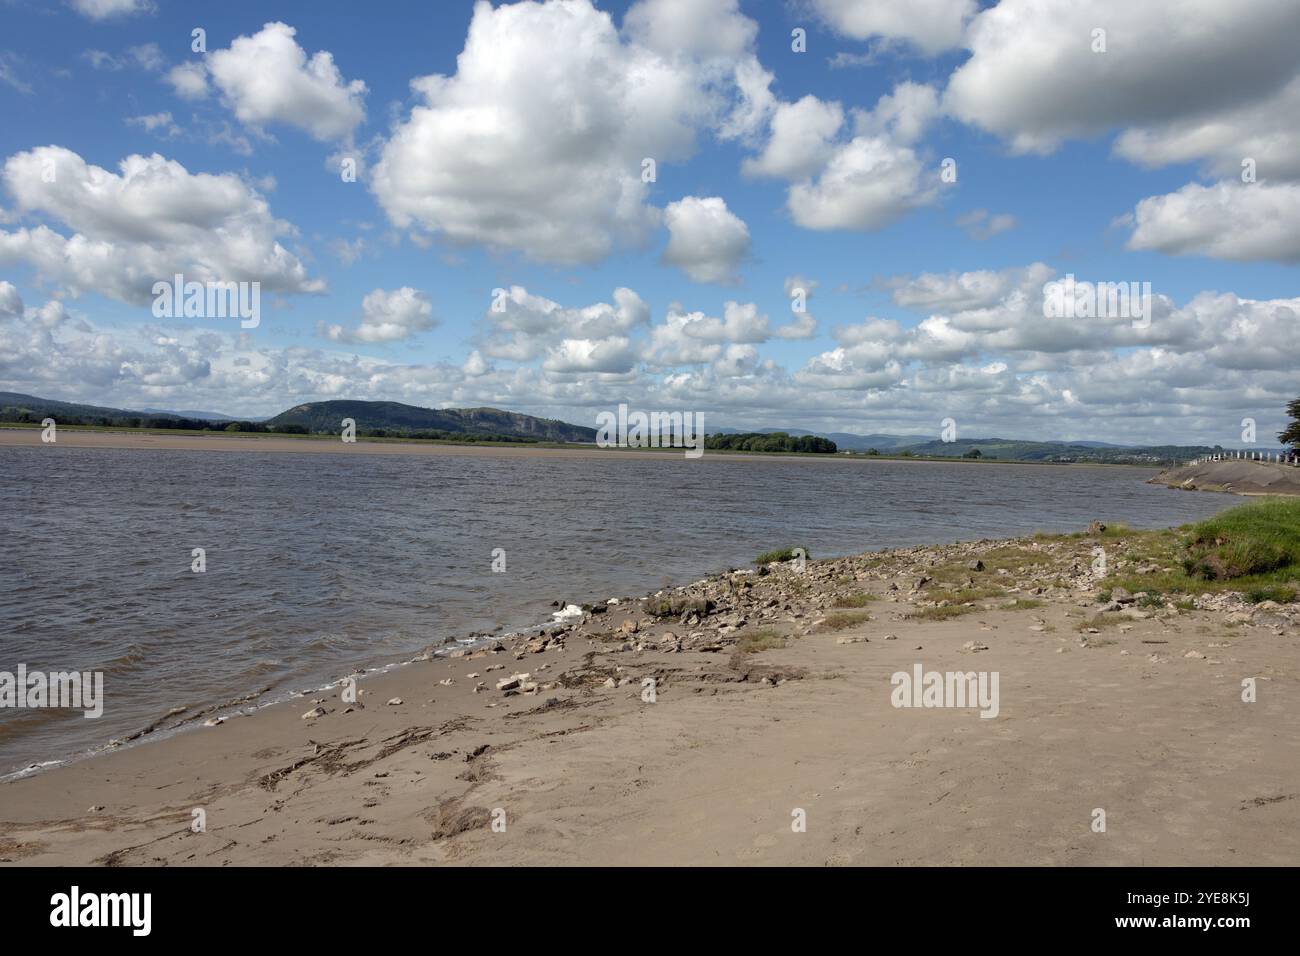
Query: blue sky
point(1111, 165)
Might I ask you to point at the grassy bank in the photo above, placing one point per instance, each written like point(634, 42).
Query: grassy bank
point(1253, 548)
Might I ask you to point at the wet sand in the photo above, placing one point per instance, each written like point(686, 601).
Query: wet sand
point(1140, 716)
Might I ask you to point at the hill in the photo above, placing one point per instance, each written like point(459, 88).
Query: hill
point(394, 418)
point(379, 419)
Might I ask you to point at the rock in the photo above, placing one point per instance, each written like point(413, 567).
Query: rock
point(610, 682)
point(394, 702)
point(314, 713)
point(1195, 655)
point(851, 639)
point(508, 683)
point(891, 637)
point(1096, 527)
point(976, 565)
point(974, 646)
point(1121, 596)
point(629, 627)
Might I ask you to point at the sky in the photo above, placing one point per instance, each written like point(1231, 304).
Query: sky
point(562, 206)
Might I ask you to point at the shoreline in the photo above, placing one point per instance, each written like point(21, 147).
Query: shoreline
point(19, 436)
point(760, 677)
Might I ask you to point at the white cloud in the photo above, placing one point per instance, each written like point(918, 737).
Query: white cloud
point(529, 326)
point(868, 184)
point(105, 9)
point(611, 355)
point(866, 181)
point(149, 221)
point(11, 303)
point(268, 78)
point(536, 143)
point(880, 376)
point(1033, 78)
point(387, 316)
point(801, 140)
point(705, 239)
point(931, 25)
point(697, 28)
point(1226, 220)
point(161, 123)
point(189, 80)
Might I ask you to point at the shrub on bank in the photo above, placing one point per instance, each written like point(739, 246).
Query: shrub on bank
point(781, 554)
point(1256, 538)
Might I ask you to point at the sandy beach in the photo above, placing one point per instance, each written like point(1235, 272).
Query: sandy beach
point(770, 705)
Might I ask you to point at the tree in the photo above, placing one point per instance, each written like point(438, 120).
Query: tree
point(973, 453)
point(1292, 434)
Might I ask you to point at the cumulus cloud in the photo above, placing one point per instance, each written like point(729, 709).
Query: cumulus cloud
point(705, 239)
point(521, 327)
point(142, 224)
point(11, 303)
point(868, 184)
point(865, 180)
point(801, 140)
point(1183, 381)
point(1033, 78)
point(536, 143)
point(930, 25)
point(1226, 220)
point(189, 80)
point(387, 316)
point(268, 78)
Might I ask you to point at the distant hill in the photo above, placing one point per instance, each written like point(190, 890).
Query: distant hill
point(1012, 449)
point(16, 407)
point(397, 419)
point(202, 416)
point(384, 419)
point(379, 419)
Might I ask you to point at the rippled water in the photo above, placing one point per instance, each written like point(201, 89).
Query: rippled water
point(320, 563)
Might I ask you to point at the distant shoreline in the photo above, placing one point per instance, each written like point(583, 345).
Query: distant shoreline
point(12, 434)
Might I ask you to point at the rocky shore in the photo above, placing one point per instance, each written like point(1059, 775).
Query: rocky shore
point(693, 725)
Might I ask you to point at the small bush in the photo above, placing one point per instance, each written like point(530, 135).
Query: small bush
point(941, 613)
point(780, 554)
point(765, 639)
point(844, 619)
